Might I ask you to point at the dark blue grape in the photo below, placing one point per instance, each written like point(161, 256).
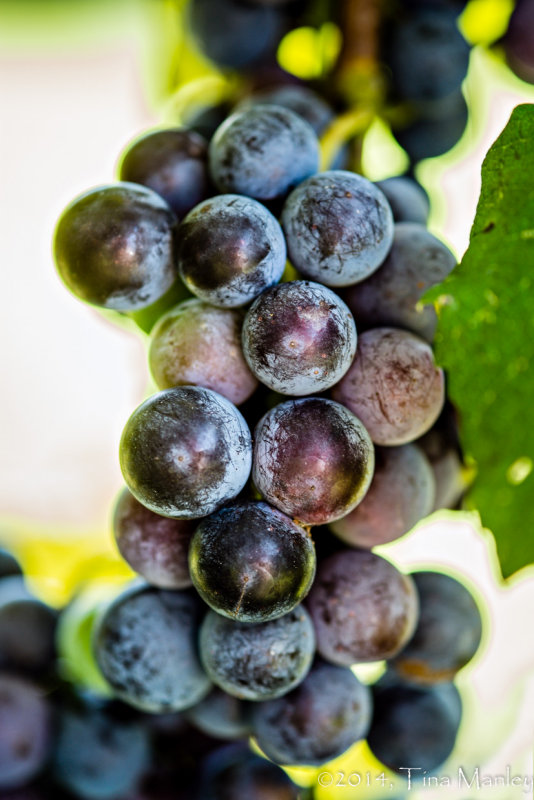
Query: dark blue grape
point(172, 162)
point(393, 386)
point(338, 226)
point(205, 119)
point(519, 40)
point(363, 608)
point(234, 773)
point(312, 459)
point(154, 546)
point(427, 54)
point(145, 645)
point(317, 721)
point(301, 99)
point(27, 629)
point(114, 247)
point(185, 452)
point(299, 338)
point(222, 716)
point(8, 564)
point(414, 727)
point(448, 632)
point(230, 249)
point(402, 493)
point(436, 127)
point(257, 661)
point(392, 294)
point(407, 198)
point(195, 343)
point(233, 33)
point(97, 756)
point(25, 731)
point(251, 563)
point(263, 152)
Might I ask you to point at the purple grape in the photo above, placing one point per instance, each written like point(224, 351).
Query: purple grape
point(416, 261)
point(393, 386)
point(519, 40)
point(263, 152)
point(195, 343)
point(301, 99)
point(402, 493)
point(27, 629)
point(407, 198)
point(25, 731)
point(185, 452)
point(222, 716)
point(299, 338)
point(145, 646)
point(171, 162)
point(362, 607)
point(8, 564)
point(448, 632)
point(154, 546)
point(317, 721)
point(257, 661)
point(338, 226)
point(234, 773)
point(442, 449)
point(230, 249)
point(313, 459)
point(251, 563)
point(114, 247)
point(436, 127)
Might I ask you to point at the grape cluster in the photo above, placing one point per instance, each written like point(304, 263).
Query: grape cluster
point(253, 529)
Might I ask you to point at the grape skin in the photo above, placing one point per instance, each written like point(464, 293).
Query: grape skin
point(363, 608)
point(8, 564)
point(393, 386)
point(448, 632)
point(113, 247)
point(407, 198)
point(145, 646)
point(27, 629)
point(222, 716)
point(251, 563)
point(519, 40)
point(234, 773)
point(171, 162)
point(312, 459)
point(437, 126)
point(263, 152)
point(320, 719)
point(195, 343)
point(402, 492)
point(338, 226)
point(299, 338)
point(185, 452)
point(417, 260)
point(257, 661)
point(300, 99)
point(154, 546)
point(230, 249)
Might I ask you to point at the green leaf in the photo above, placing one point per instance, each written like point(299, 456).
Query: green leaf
point(485, 341)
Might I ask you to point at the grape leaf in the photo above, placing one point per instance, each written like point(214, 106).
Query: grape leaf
point(485, 341)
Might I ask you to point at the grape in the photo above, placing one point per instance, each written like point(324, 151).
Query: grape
point(97, 756)
point(263, 152)
point(8, 564)
point(300, 99)
point(232, 33)
point(442, 448)
point(391, 295)
point(234, 773)
point(257, 661)
point(427, 54)
point(230, 249)
point(27, 629)
point(206, 119)
point(519, 40)
point(299, 338)
point(362, 607)
point(407, 198)
point(436, 128)
point(145, 645)
point(317, 721)
point(172, 162)
point(25, 731)
point(185, 452)
point(114, 247)
point(156, 547)
point(195, 343)
point(338, 226)
point(251, 563)
point(447, 635)
point(393, 386)
point(414, 727)
point(313, 459)
point(222, 716)
point(402, 493)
